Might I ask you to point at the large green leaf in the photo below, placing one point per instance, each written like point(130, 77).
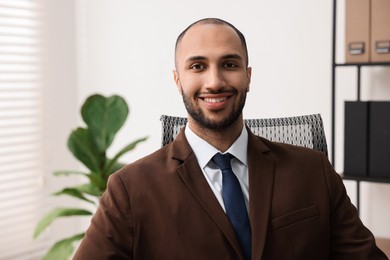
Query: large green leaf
point(56, 213)
point(90, 189)
point(104, 117)
point(124, 150)
point(63, 249)
point(97, 185)
point(98, 181)
point(116, 166)
point(79, 143)
point(74, 192)
point(68, 172)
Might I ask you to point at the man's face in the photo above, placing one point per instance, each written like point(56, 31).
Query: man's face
point(211, 75)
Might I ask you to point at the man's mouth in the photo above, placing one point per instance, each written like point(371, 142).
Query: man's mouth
point(215, 100)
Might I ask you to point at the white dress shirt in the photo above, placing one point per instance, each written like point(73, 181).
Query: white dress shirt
point(204, 152)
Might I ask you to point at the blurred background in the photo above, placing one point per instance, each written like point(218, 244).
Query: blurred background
point(55, 53)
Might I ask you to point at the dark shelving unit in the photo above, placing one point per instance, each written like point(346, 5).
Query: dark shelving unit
point(358, 67)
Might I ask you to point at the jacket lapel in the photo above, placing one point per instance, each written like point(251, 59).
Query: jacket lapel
point(261, 180)
point(195, 181)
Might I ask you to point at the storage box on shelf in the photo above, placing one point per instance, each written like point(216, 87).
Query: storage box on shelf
point(367, 31)
point(367, 139)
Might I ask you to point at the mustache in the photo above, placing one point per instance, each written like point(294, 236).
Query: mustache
point(218, 91)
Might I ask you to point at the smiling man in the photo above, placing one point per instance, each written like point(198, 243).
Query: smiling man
point(218, 191)
point(213, 77)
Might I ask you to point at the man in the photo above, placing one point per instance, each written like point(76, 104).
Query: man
point(177, 202)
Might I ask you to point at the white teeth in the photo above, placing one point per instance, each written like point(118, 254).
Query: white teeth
point(215, 100)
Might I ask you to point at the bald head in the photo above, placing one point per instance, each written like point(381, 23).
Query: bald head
point(213, 21)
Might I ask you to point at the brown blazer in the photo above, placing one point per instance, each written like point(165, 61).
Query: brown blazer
point(161, 207)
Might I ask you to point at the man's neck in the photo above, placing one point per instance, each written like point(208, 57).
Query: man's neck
point(221, 139)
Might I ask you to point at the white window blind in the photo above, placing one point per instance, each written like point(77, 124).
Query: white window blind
point(21, 155)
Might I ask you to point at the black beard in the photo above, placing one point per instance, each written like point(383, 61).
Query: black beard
point(200, 118)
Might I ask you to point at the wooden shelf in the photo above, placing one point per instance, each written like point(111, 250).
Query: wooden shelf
point(370, 64)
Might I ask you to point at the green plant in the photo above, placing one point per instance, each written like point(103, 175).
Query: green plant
point(104, 116)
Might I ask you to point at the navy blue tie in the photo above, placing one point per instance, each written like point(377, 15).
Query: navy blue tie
point(234, 203)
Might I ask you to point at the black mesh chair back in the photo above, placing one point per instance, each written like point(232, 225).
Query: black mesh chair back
point(306, 131)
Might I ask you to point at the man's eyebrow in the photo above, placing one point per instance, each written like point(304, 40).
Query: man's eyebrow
point(225, 57)
point(195, 58)
point(232, 56)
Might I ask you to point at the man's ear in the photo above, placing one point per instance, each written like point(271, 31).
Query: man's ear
point(176, 78)
point(249, 76)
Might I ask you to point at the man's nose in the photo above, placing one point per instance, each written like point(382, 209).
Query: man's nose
point(215, 78)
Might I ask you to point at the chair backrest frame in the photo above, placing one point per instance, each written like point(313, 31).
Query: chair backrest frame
point(305, 130)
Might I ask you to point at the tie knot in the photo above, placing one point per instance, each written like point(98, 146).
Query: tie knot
point(222, 160)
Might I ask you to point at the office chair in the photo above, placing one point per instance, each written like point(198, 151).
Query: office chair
point(306, 131)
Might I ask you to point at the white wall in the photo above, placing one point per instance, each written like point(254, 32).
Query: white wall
point(126, 47)
point(60, 96)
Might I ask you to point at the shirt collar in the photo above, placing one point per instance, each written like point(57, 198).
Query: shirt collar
point(205, 151)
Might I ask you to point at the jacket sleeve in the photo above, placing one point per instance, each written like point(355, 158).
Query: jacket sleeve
point(110, 234)
point(349, 238)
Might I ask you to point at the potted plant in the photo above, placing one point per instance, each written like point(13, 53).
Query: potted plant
point(104, 116)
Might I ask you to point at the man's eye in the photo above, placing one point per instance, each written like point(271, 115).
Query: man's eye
point(230, 65)
point(197, 66)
